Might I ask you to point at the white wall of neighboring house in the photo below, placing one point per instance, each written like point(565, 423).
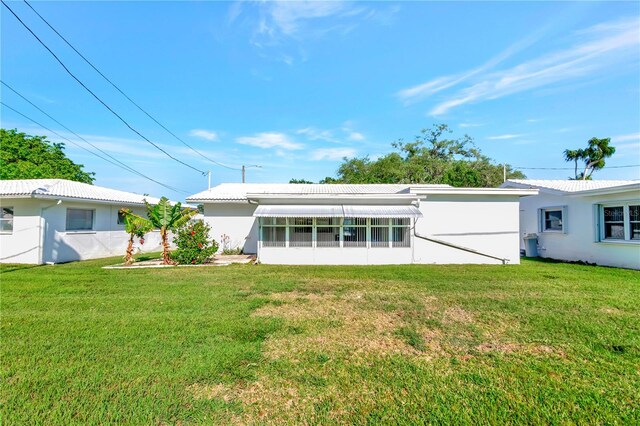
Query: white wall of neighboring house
point(236, 221)
point(580, 240)
point(40, 236)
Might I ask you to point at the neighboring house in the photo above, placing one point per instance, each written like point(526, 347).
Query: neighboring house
point(57, 220)
point(595, 221)
point(366, 224)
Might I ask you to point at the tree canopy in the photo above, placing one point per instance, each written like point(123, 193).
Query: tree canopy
point(593, 157)
point(34, 157)
point(432, 157)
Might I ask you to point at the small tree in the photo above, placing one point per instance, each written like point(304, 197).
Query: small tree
point(135, 226)
point(166, 218)
point(593, 156)
point(194, 244)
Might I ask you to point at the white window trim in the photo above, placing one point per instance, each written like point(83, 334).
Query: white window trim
point(542, 222)
point(626, 221)
point(13, 216)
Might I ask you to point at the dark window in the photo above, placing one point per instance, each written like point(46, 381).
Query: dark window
point(79, 219)
point(6, 221)
point(553, 220)
point(613, 223)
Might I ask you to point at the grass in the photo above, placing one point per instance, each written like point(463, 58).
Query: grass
point(535, 343)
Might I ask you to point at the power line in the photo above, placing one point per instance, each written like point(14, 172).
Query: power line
point(570, 168)
point(125, 95)
point(96, 96)
point(126, 166)
point(116, 162)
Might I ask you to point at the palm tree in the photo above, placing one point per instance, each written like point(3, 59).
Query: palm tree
point(166, 217)
point(593, 157)
point(135, 226)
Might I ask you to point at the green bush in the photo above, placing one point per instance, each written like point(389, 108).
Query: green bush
point(194, 244)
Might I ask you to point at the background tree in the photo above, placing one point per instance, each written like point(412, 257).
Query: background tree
point(135, 226)
point(33, 157)
point(593, 157)
point(166, 218)
point(299, 181)
point(431, 157)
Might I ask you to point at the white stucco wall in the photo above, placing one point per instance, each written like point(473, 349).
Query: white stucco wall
point(40, 236)
point(235, 220)
point(488, 224)
point(580, 242)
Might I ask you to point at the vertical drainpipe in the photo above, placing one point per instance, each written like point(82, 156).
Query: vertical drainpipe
point(41, 231)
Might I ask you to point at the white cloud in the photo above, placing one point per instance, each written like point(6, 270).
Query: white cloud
point(204, 134)
point(465, 125)
point(609, 45)
point(332, 154)
point(503, 137)
point(314, 134)
point(625, 138)
point(619, 44)
point(269, 140)
point(356, 136)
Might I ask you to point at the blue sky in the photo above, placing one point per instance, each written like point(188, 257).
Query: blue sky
point(296, 86)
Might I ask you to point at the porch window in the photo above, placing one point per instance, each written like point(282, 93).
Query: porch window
point(300, 232)
point(380, 232)
point(6, 220)
point(80, 219)
point(400, 234)
point(328, 232)
point(355, 232)
point(274, 232)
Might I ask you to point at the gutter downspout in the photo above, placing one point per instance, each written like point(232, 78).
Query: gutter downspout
point(41, 231)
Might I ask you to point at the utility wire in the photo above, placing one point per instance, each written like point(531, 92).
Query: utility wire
point(97, 97)
point(126, 96)
point(570, 168)
point(115, 161)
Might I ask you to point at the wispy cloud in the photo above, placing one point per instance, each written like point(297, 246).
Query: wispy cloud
point(355, 136)
point(313, 134)
point(607, 45)
point(332, 154)
point(204, 134)
point(270, 140)
point(466, 125)
point(626, 138)
point(504, 137)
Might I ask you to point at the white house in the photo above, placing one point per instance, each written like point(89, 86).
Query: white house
point(57, 220)
point(366, 224)
point(590, 221)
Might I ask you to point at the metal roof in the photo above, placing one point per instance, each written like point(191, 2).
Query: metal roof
point(336, 211)
point(570, 186)
point(239, 191)
point(62, 188)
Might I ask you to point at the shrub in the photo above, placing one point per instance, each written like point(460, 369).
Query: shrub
point(194, 244)
point(227, 248)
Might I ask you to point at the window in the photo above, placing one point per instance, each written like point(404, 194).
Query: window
point(355, 232)
point(613, 223)
point(300, 232)
point(335, 232)
point(80, 219)
point(380, 232)
point(552, 219)
point(400, 236)
point(620, 222)
point(6, 220)
point(328, 232)
point(274, 232)
point(634, 221)
point(120, 220)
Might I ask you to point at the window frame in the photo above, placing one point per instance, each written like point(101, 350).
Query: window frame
point(83, 230)
point(626, 222)
point(542, 219)
point(4, 220)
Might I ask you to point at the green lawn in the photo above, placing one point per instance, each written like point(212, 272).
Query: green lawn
point(536, 343)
